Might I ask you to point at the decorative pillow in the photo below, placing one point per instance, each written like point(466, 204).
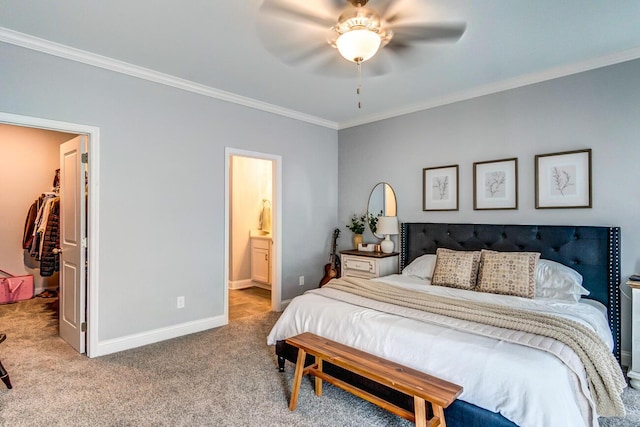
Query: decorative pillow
point(508, 273)
point(421, 267)
point(557, 281)
point(456, 269)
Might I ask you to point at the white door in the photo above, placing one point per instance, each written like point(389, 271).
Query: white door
point(72, 296)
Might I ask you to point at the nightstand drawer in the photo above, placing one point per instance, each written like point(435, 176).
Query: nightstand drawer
point(360, 264)
point(368, 265)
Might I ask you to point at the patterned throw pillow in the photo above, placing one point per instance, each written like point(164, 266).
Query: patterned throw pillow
point(508, 273)
point(456, 269)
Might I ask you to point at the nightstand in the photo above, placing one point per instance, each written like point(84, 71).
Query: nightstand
point(368, 265)
point(634, 369)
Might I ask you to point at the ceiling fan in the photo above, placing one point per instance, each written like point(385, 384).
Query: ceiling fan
point(308, 33)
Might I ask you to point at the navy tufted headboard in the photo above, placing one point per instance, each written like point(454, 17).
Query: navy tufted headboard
point(594, 252)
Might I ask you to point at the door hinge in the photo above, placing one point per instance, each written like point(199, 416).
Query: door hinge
point(84, 242)
point(83, 327)
point(85, 158)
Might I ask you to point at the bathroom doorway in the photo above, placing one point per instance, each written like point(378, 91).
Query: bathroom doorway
point(252, 234)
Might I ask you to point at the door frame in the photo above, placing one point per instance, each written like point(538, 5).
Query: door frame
point(276, 177)
point(93, 149)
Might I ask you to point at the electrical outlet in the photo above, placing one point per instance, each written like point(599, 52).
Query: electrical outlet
point(180, 302)
point(301, 280)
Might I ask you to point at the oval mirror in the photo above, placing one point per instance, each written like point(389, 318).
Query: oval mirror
point(382, 202)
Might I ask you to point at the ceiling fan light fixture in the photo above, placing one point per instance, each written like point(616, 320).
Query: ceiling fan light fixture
point(358, 44)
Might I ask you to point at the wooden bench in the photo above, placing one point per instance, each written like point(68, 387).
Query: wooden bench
point(421, 386)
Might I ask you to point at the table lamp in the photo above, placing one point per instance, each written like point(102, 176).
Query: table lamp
point(387, 225)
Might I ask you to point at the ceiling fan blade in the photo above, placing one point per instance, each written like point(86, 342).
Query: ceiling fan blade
point(293, 11)
point(382, 6)
point(310, 54)
point(405, 55)
point(427, 32)
point(332, 66)
point(296, 50)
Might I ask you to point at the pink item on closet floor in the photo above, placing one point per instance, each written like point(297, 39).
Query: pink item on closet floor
point(15, 288)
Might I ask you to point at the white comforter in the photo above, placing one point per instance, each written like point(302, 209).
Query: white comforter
point(527, 386)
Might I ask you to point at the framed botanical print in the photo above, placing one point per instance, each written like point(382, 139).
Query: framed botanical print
point(495, 184)
point(563, 180)
point(440, 188)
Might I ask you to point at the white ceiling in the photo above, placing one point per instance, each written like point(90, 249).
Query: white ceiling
point(216, 45)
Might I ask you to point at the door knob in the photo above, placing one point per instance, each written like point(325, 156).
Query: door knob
point(56, 251)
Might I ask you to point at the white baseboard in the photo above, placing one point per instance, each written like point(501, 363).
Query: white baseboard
point(138, 340)
point(240, 284)
point(261, 285)
point(626, 358)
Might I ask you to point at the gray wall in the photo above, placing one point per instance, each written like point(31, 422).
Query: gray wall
point(162, 185)
point(599, 109)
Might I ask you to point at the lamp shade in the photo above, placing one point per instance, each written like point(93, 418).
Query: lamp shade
point(358, 45)
point(387, 225)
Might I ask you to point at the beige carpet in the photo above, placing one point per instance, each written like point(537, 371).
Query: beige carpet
point(223, 377)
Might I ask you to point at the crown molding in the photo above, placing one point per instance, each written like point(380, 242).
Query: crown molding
point(525, 80)
point(63, 51)
point(67, 52)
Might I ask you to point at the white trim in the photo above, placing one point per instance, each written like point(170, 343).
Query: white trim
point(276, 284)
point(525, 80)
point(46, 46)
point(150, 337)
point(240, 284)
point(261, 286)
point(78, 55)
point(94, 209)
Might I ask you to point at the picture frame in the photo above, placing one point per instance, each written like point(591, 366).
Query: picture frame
point(495, 184)
point(440, 188)
point(563, 180)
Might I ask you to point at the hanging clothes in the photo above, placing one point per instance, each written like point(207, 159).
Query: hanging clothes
point(41, 235)
point(29, 224)
point(50, 261)
point(41, 229)
point(40, 224)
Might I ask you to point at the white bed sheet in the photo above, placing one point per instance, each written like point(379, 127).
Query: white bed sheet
point(527, 386)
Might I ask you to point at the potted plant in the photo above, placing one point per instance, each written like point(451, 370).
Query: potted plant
point(357, 227)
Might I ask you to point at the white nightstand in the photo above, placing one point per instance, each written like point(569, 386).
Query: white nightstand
point(634, 369)
point(368, 265)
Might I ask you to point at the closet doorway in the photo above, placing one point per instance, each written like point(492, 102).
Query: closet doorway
point(29, 141)
point(252, 233)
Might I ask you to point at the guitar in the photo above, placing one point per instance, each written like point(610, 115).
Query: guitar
point(332, 269)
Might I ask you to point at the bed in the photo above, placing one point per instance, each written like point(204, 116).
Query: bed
point(593, 252)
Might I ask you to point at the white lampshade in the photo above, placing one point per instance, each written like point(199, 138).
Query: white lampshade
point(387, 225)
point(358, 45)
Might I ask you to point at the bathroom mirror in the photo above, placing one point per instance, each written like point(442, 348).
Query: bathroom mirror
point(382, 201)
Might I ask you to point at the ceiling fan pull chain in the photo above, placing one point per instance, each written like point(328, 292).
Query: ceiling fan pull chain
point(359, 82)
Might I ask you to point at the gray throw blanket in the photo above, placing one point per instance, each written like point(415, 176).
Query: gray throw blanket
point(605, 378)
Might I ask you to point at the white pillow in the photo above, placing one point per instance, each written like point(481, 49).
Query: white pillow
point(557, 281)
point(421, 267)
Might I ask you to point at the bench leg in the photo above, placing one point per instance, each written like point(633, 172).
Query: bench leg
point(281, 361)
point(297, 379)
point(420, 410)
point(438, 412)
point(4, 376)
point(318, 379)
